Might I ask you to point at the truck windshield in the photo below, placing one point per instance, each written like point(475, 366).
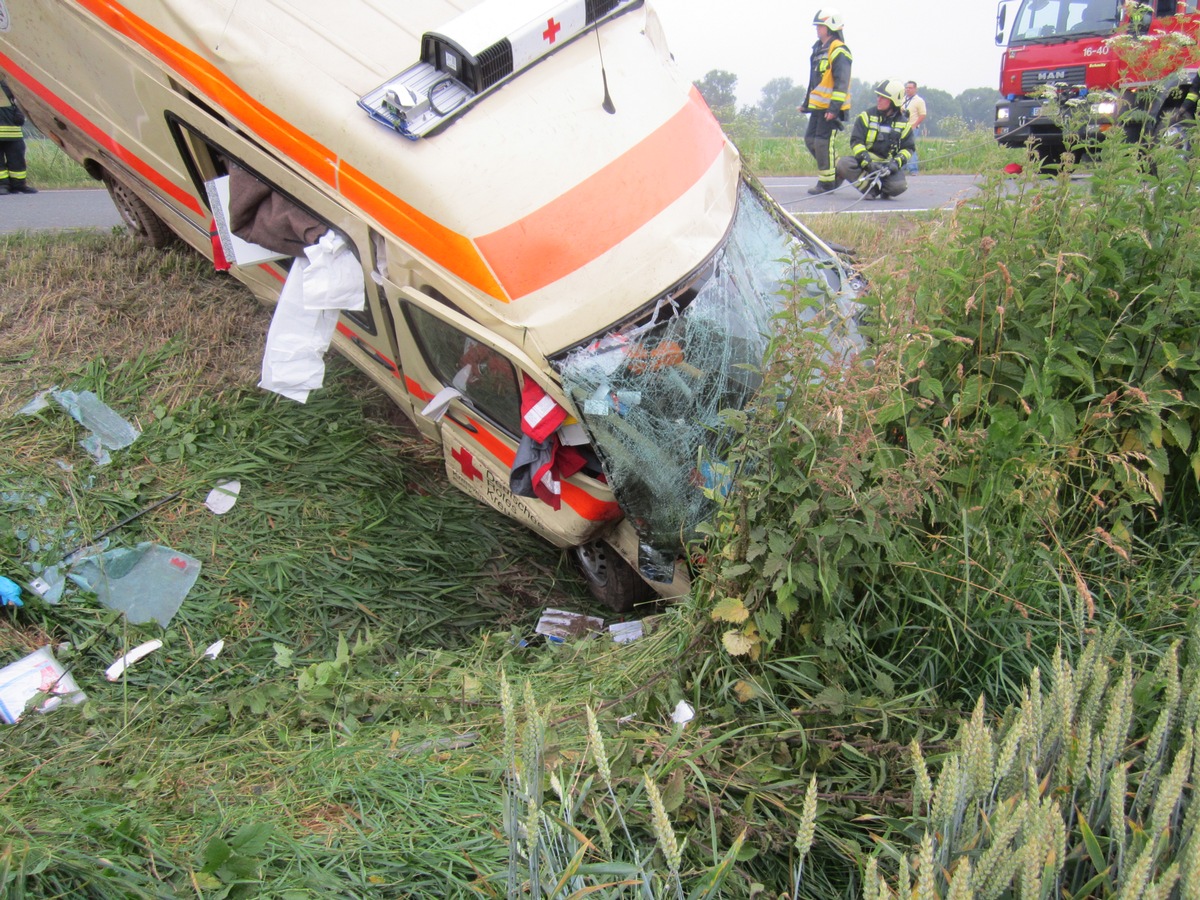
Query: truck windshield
point(1041, 20)
point(651, 392)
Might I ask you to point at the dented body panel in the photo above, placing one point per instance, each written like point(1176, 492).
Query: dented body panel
point(586, 194)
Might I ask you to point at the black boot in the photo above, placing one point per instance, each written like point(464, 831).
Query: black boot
point(822, 187)
point(3, 188)
point(20, 187)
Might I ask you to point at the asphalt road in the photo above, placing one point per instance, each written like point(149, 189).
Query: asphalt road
point(64, 210)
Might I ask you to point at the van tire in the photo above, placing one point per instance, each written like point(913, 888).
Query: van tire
point(142, 222)
point(610, 578)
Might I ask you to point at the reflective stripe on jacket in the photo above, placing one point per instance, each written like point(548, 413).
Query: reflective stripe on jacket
point(10, 119)
point(829, 77)
point(883, 135)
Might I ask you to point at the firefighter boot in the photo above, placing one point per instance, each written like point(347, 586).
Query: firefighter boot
point(19, 186)
point(3, 187)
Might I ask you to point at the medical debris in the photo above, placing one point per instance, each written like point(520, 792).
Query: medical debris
point(37, 675)
point(117, 669)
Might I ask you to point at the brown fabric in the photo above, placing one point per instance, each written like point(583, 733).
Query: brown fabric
point(260, 215)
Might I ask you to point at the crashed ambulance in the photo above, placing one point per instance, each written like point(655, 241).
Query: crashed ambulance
point(562, 273)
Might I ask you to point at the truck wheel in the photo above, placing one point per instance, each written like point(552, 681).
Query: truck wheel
point(139, 218)
point(611, 580)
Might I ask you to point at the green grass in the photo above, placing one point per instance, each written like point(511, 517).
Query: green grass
point(972, 153)
point(50, 168)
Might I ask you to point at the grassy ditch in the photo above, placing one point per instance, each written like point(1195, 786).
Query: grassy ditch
point(945, 643)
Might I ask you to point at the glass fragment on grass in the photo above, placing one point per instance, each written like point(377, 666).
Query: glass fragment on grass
point(148, 582)
point(109, 431)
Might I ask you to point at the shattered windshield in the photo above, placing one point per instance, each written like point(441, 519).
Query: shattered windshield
point(651, 393)
point(1050, 19)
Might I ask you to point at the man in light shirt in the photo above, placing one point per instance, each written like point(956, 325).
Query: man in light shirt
point(914, 105)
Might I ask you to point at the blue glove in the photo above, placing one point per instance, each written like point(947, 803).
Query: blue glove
point(10, 592)
point(864, 160)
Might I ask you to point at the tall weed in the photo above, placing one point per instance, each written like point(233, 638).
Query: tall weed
point(1025, 419)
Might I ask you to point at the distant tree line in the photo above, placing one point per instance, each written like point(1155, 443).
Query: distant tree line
point(777, 115)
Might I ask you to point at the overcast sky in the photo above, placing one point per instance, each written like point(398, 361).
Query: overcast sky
point(941, 44)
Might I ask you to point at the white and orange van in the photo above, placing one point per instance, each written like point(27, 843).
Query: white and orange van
point(566, 273)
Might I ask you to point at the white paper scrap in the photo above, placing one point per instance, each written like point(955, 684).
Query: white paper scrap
point(214, 649)
point(223, 496)
point(683, 713)
point(622, 632)
point(117, 669)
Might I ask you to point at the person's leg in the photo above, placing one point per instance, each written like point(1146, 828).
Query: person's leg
point(822, 132)
point(912, 164)
point(4, 145)
point(16, 169)
point(894, 185)
point(847, 169)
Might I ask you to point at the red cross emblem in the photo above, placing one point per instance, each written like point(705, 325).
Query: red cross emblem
point(463, 457)
point(552, 30)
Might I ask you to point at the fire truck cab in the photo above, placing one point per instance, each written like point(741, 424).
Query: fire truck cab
point(1065, 82)
point(561, 272)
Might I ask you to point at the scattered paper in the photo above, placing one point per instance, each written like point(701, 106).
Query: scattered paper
point(623, 632)
point(683, 713)
point(558, 625)
point(117, 669)
point(223, 496)
point(37, 673)
point(214, 649)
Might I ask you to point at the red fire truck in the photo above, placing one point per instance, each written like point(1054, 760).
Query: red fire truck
point(1067, 76)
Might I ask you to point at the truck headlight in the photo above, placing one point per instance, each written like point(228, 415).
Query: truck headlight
point(1107, 108)
point(1002, 114)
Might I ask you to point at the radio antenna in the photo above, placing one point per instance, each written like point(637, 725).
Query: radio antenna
point(608, 105)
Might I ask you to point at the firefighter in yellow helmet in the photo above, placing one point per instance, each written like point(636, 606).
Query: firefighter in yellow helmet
point(828, 97)
point(881, 143)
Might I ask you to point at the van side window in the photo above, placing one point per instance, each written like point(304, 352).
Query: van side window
point(484, 376)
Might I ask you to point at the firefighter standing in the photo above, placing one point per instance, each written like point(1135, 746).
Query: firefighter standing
point(12, 146)
point(881, 143)
point(828, 95)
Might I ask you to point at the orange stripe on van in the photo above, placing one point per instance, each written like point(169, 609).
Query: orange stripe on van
point(597, 214)
point(450, 249)
point(102, 138)
point(585, 505)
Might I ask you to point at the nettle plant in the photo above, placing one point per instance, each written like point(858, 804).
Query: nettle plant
point(1028, 410)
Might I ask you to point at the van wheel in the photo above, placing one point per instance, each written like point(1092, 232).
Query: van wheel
point(611, 580)
point(141, 220)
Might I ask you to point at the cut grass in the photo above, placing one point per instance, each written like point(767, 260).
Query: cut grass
point(366, 610)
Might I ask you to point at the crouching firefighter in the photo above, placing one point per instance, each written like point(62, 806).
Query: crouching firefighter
point(881, 144)
point(828, 96)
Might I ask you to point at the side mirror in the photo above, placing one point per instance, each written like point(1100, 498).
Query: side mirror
point(1001, 17)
